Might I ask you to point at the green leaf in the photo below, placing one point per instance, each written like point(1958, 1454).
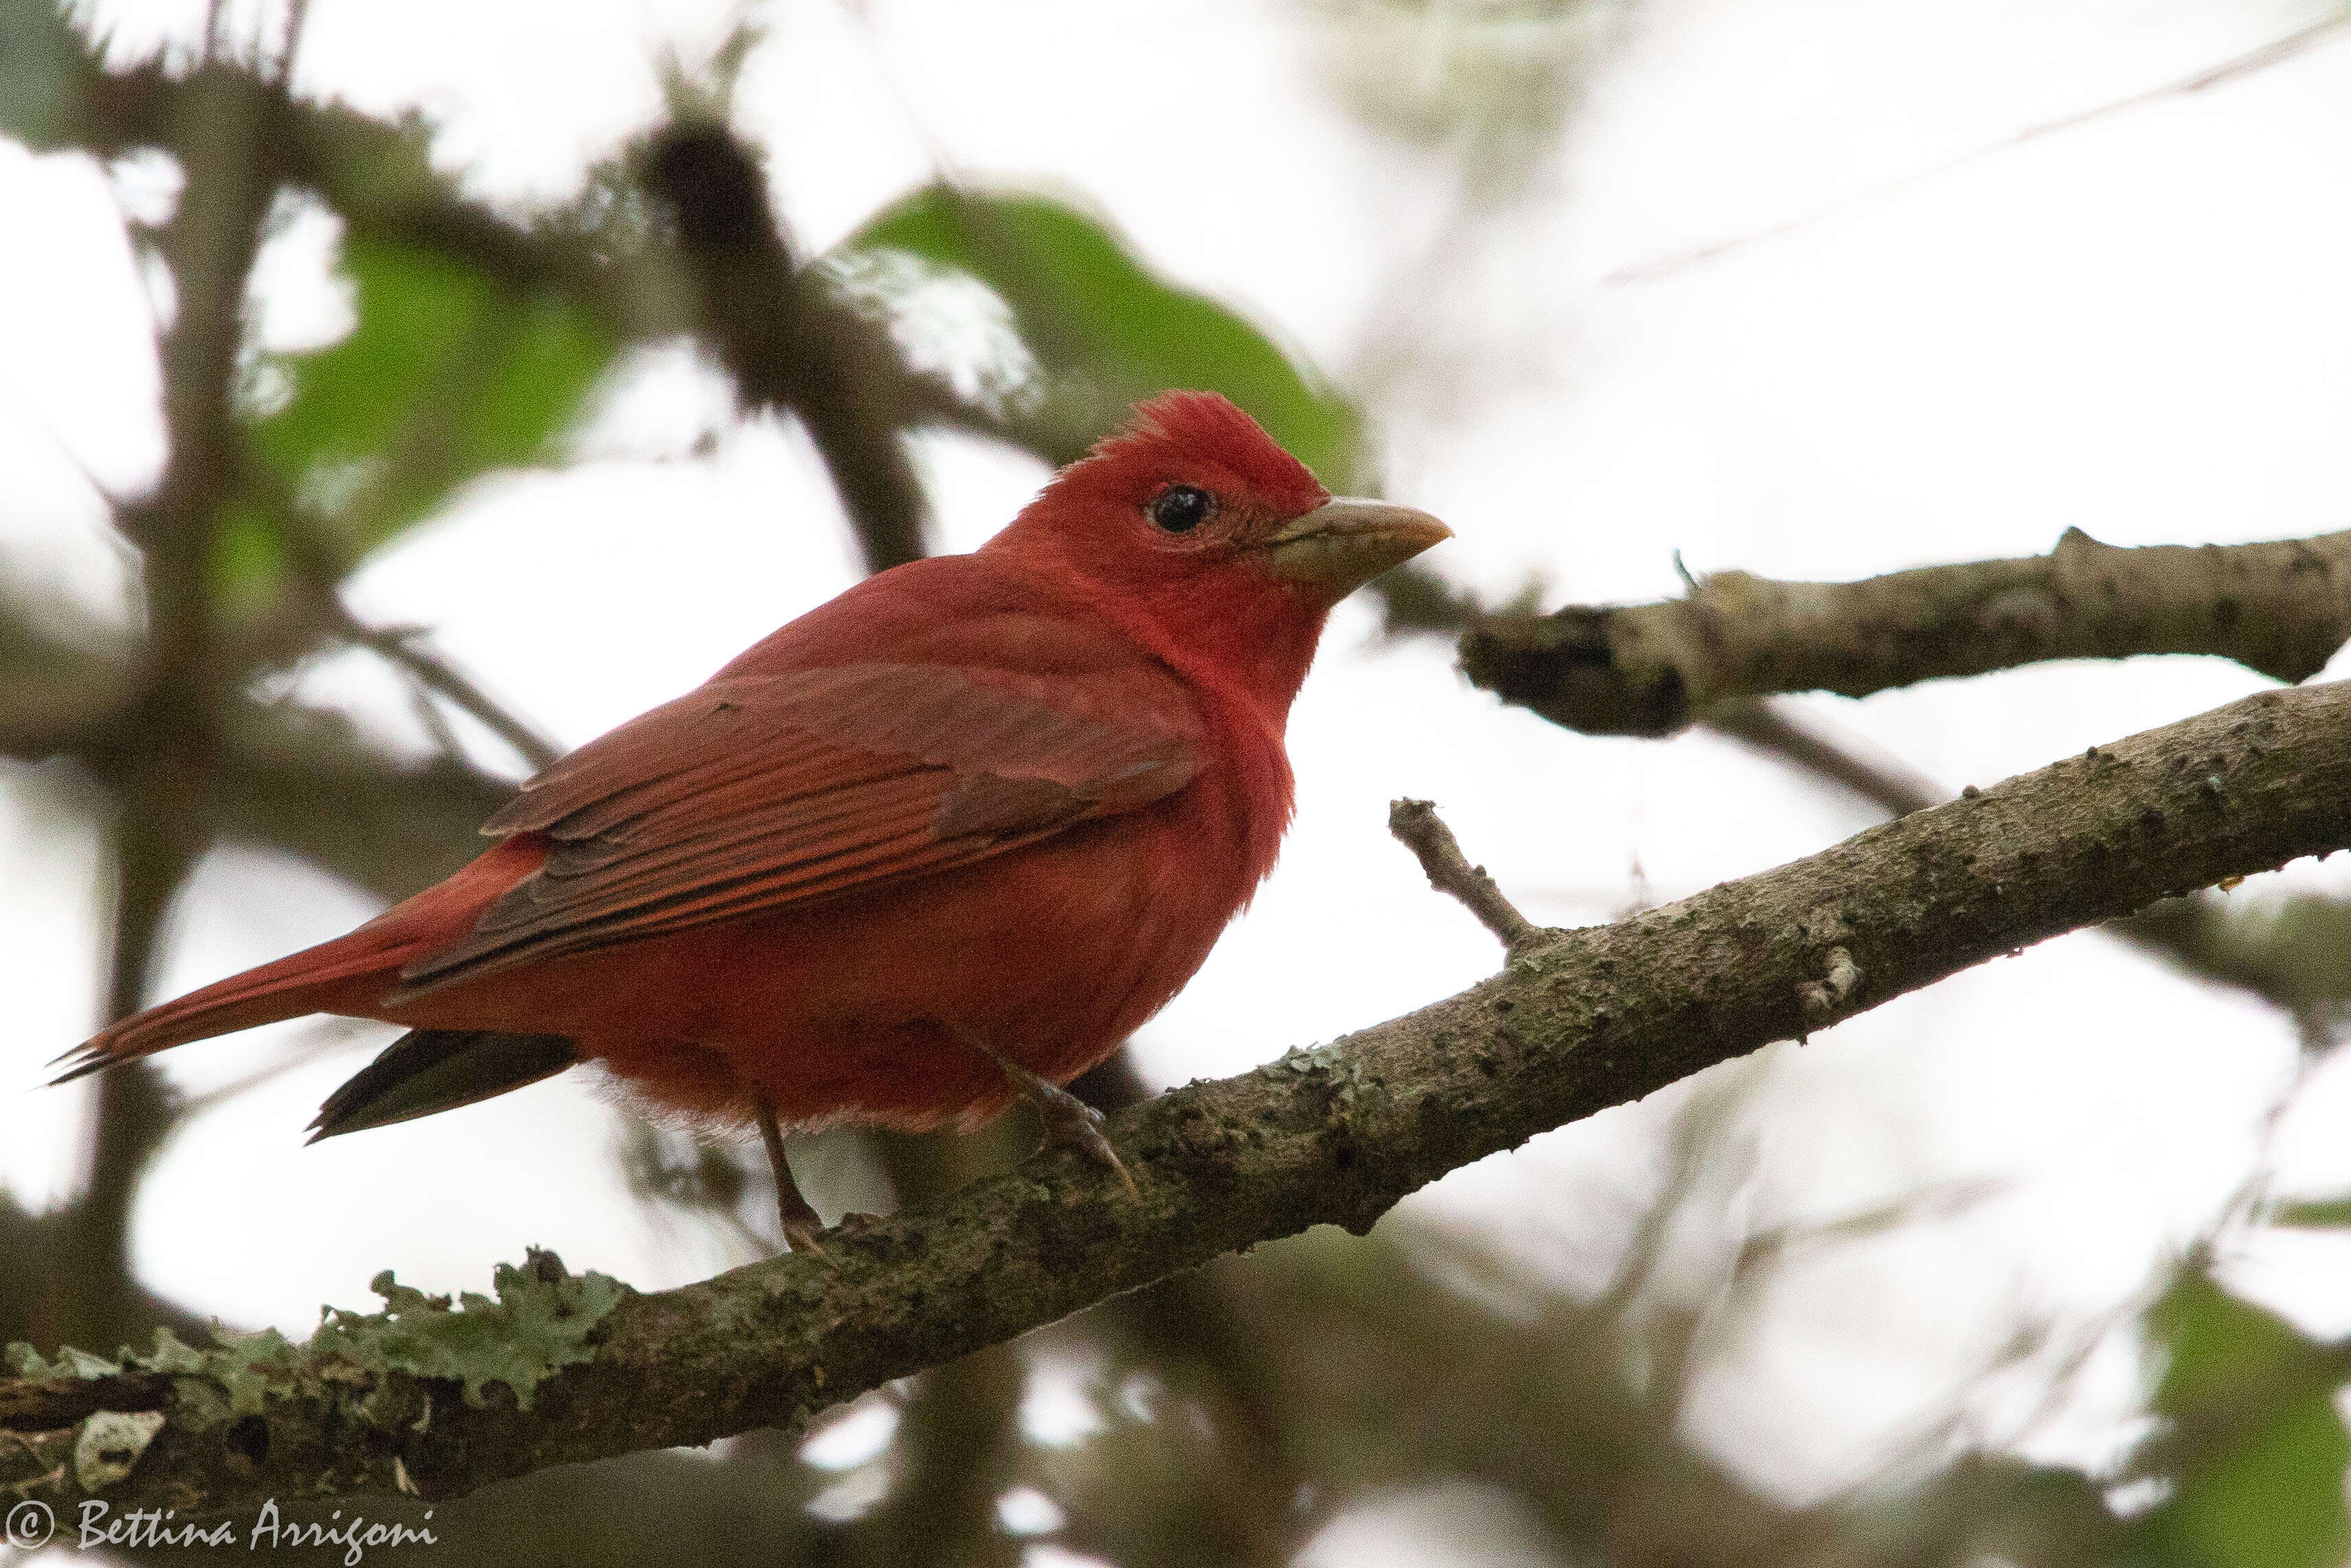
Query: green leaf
point(1105, 330)
point(2255, 1449)
point(448, 374)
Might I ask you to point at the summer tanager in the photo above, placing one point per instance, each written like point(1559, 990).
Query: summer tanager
point(941, 842)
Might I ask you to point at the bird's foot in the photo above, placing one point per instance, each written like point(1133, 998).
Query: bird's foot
point(800, 1223)
point(1070, 1122)
point(798, 1218)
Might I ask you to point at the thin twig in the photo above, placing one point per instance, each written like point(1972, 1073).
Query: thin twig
point(289, 41)
point(404, 646)
point(1695, 1138)
point(1417, 827)
point(2276, 52)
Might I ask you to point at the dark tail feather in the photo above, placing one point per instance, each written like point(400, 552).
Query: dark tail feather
point(429, 1070)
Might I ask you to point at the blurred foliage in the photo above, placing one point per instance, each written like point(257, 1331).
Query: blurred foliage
point(2253, 1452)
point(2296, 952)
point(1229, 1415)
point(1490, 84)
point(1104, 330)
point(446, 374)
point(41, 68)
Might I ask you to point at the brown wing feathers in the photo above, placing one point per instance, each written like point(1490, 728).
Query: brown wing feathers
point(754, 793)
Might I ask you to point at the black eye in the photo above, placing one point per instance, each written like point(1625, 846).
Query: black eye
point(1180, 508)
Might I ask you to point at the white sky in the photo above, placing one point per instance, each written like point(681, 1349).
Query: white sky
point(2138, 327)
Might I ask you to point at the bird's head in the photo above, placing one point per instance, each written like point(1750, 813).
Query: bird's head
point(1214, 541)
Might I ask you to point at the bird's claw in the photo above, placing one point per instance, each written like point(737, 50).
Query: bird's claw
point(1072, 1124)
point(800, 1230)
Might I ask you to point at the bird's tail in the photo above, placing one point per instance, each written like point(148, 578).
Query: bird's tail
point(344, 975)
point(349, 975)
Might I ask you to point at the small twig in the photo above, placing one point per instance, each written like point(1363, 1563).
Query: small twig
point(1773, 1245)
point(289, 40)
point(1417, 827)
point(2276, 52)
point(402, 646)
point(436, 723)
point(1696, 1137)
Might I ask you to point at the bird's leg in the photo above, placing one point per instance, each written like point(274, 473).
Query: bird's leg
point(801, 1221)
point(1070, 1122)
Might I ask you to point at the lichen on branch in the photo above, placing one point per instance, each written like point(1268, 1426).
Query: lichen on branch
point(377, 1372)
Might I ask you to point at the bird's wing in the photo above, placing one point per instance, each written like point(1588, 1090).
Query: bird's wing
point(756, 792)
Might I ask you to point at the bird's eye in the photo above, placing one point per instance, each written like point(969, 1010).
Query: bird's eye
point(1180, 508)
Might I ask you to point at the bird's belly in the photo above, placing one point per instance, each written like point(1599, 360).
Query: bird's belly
point(872, 1007)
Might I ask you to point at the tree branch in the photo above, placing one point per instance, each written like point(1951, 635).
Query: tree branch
point(59, 686)
point(2296, 957)
point(788, 343)
point(162, 767)
point(1584, 1020)
point(2280, 608)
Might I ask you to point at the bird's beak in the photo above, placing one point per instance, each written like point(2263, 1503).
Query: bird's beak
point(1343, 544)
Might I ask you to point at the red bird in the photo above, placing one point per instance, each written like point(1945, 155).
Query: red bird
point(941, 842)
